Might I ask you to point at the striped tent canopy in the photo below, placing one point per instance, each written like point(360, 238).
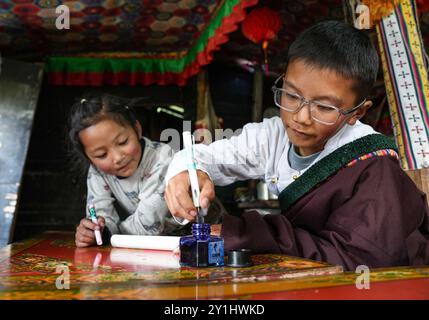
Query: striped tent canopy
point(119, 42)
point(138, 42)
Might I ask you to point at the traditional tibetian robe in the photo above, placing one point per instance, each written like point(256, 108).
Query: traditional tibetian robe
point(353, 205)
point(369, 213)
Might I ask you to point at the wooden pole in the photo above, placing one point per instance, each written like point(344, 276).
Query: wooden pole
point(421, 179)
point(258, 87)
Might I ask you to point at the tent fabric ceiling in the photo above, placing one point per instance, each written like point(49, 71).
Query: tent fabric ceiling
point(133, 68)
point(139, 42)
point(151, 29)
point(28, 26)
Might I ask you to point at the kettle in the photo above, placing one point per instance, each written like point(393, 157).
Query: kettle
point(262, 192)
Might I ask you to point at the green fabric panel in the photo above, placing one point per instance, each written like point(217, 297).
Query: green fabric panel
point(82, 64)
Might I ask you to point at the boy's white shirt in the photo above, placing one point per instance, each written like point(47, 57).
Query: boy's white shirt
point(260, 151)
point(141, 195)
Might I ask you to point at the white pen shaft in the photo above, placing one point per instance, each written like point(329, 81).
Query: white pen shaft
point(97, 233)
point(195, 188)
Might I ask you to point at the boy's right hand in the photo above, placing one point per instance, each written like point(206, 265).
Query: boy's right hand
point(178, 198)
point(85, 236)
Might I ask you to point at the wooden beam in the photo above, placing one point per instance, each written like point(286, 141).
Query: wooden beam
point(421, 179)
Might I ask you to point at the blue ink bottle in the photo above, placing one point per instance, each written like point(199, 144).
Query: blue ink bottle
point(201, 249)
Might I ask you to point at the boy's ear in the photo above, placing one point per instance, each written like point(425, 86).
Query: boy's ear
point(139, 129)
point(359, 113)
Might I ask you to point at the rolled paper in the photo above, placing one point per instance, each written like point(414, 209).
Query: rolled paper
point(145, 258)
point(169, 243)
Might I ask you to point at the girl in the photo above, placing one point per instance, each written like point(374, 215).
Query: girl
point(123, 166)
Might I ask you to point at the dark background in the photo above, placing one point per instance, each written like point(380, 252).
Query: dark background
point(53, 195)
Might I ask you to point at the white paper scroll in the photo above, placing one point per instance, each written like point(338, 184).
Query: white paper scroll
point(169, 243)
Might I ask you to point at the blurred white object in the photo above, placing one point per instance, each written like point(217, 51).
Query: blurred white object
point(263, 212)
point(272, 196)
point(162, 259)
point(262, 191)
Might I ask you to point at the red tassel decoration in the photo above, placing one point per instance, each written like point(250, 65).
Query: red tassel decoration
point(261, 26)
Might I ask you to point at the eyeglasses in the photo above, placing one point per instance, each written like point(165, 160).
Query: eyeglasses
point(320, 112)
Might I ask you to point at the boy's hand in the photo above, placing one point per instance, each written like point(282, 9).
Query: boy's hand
point(216, 229)
point(85, 236)
point(178, 198)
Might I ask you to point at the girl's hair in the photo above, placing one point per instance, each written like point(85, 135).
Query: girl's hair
point(89, 110)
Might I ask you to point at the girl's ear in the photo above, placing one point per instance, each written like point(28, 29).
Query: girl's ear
point(359, 113)
point(139, 129)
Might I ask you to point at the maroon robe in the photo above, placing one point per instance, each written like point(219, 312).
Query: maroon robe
point(369, 214)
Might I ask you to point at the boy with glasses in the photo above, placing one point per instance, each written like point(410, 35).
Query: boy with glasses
point(344, 198)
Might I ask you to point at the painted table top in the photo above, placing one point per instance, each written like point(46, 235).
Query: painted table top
point(51, 267)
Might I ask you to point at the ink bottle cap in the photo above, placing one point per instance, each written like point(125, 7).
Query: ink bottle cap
point(239, 258)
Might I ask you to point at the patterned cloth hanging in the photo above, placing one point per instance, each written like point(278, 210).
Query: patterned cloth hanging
point(407, 87)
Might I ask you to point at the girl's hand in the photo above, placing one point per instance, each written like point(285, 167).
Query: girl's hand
point(85, 236)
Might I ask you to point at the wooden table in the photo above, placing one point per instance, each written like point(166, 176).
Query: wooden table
point(37, 269)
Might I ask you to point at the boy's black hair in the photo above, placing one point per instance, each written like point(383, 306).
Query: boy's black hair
point(337, 46)
point(90, 109)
